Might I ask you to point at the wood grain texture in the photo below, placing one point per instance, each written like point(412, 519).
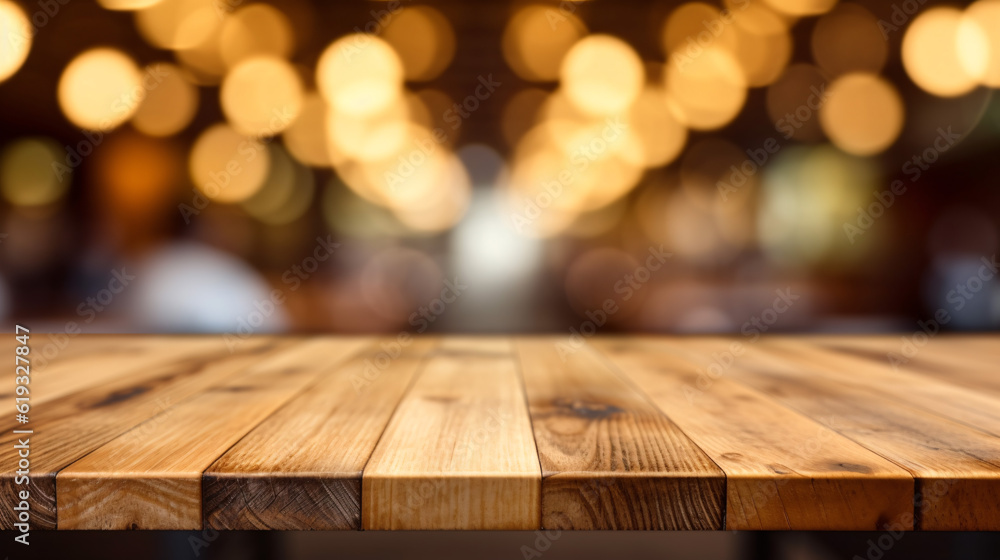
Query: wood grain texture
point(150, 476)
point(956, 467)
point(949, 358)
point(969, 406)
point(458, 453)
point(810, 432)
point(69, 427)
point(609, 458)
point(301, 468)
point(95, 360)
point(784, 471)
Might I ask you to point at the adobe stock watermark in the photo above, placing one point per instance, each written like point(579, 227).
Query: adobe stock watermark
point(958, 298)
point(900, 15)
point(423, 148)
point(913, 169)
point(626, 288)
point(88, 309)
point(758, 157)
point(713, 28)
point(895, 530)
point(752, 329)
point(292, 279)
point(247, 151)
point(579, 161)
point(17, 38)
point(420, 320)
point(429, 490)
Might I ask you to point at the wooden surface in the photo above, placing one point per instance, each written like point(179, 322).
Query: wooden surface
point(620, 433)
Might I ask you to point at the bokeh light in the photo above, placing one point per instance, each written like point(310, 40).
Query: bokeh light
point(137, 177)
point(424, 40)
point(227, 166)
point(255, 30)
point(178, 24)
point(28, 172)
point(794, 100)
point(286, 193)
point(931, 53)
point(763, 44)
point(662, 136)
point(979, 41)
point(169, 107)
point(848, 39)
point(100, 89)
point(863, 115)
point(707, 91)
point(306, 138)
point(602, 75)
point(15, 36)
point(126, 5)
point(262, 96)
point(537, 39)
point(692, 26)
point(808, 195)
point(360, 74)
point(801, 7)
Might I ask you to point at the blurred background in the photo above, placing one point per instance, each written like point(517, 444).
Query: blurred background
point(498, 166)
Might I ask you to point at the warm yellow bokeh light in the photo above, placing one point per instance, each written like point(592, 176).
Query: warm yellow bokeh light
point(255, 30)
point(101, 88)
point(15, 36)
point(369, 138)
point(424, 40)
point(848, 39)
point(931, 53)
point(27, 173)
point(537, 39)
point(979, 41)
point(763, 44)
point(863, 114)
point(656, 127)
point(802, 7)
point(226, 165)
point(306, 139)
point(126, 5)
point(262, 96)
point(178, 24)
point(360, 74)
point(169, 107)
point(602, 75)
point(693, 26)
point(203, 61)
point(706, 91)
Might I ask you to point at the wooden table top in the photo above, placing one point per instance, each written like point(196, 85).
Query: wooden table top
point(647, 432)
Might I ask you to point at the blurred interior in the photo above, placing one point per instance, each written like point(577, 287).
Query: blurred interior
point(307, 166)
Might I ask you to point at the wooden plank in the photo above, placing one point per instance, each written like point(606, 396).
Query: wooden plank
point(105, 359)
point(609, 458)
point(150, 477)
point(458, 453)
point(68, 428)
point(783, 470)
point(971, 407)
point(948, 357)
point(956, 467)
point(301, 468)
